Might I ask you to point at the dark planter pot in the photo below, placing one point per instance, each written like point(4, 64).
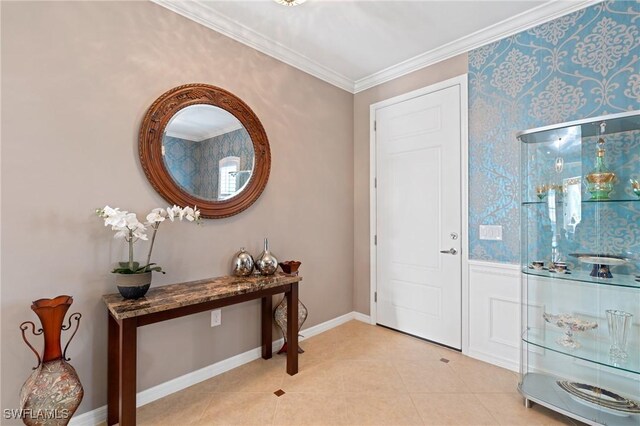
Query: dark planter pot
point(133, 286)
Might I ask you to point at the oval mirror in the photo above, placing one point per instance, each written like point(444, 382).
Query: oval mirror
point(201, 145)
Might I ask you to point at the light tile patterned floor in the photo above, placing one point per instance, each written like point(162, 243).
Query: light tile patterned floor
point(356, 374)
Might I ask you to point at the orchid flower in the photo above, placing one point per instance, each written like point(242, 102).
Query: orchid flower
point(128, 226)
point(189, 214)
point(156, 216)
point(113, 217)
point(122, 232)
point(172, 212)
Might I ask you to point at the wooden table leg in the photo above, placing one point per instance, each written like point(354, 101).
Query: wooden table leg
point(127, 379)
point(113, 373)
point(267, 327)
point(292, 329)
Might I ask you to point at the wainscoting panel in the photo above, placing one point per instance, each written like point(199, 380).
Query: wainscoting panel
point(494, 313)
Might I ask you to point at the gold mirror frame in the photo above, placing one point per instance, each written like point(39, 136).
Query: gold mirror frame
point(150, 148)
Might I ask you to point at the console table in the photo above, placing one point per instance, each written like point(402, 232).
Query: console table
point(177, 300)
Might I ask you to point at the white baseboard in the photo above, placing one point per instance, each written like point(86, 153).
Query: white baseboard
point(495, 360)
point(90, 418)
point(362, 317)
point(146, 396)
point(327, 325)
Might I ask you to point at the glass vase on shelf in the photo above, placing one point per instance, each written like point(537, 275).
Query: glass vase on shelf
point(619, 323)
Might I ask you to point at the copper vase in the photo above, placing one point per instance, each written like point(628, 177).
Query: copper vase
point(53, 391)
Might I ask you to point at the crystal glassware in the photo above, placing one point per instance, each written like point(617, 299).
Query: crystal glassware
point(541, 191)
point(635, 187)
point(571, 325)
point(619, 324)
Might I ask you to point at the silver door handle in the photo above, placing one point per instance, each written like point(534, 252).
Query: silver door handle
point(450, 251)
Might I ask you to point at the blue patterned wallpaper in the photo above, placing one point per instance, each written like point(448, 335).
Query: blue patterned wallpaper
point(238, 144)
point(194, 165)
point(180, 158)
point(581, 65)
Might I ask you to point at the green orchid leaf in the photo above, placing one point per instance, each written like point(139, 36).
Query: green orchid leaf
point(145, 267)
point(136, 265)
point(123, 271)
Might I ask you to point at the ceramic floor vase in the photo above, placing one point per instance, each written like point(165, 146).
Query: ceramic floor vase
point(53, 391)
point(280, 317)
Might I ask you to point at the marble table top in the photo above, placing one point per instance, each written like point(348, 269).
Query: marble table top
point(173, 296)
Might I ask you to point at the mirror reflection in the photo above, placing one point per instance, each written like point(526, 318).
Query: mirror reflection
point(572, 203)
point(208, 152)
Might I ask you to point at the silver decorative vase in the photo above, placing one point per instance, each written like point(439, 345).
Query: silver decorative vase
point(242, 263)
point(267, 262)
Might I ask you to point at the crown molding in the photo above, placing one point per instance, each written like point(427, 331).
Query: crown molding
point(539, 15)
point(199, 12)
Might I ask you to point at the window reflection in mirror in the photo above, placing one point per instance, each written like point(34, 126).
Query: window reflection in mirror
point(228, 177)
point(208, 152)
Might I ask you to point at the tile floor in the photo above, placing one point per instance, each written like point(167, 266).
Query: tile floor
point(356, 374)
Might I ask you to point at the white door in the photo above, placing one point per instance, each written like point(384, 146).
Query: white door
point(418, 216)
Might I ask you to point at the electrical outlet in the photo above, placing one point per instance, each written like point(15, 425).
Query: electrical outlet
point(216, 317)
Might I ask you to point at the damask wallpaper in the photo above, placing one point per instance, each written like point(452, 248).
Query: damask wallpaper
point(194, 165)
point(182, 159)
point(581, 65)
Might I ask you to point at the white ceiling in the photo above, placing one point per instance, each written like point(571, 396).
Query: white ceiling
point(200, 122)
point(356, 44)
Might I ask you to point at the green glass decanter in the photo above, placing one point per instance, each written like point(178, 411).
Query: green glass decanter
point(600, 180)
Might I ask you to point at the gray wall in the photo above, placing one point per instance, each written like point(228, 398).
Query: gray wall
point(77, 78)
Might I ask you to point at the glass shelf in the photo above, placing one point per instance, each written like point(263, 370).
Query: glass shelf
point(618, 280)
point(542, 388)
point(591, 350)
point(616, 123)
point(544, 202)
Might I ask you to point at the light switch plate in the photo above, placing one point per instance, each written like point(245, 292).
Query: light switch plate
point(491, 232)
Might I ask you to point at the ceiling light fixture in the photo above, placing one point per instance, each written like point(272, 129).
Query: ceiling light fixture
point(289, 2)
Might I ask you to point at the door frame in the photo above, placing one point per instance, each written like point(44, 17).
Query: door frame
point(461, 81)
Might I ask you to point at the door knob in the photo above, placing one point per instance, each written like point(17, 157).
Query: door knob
point(450, 251)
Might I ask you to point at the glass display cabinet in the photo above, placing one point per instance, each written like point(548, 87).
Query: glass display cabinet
point(580, 258)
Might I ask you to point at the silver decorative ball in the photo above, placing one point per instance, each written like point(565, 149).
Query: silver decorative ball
point(242, 263)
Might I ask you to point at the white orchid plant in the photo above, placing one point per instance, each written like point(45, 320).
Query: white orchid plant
point(128, 226)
